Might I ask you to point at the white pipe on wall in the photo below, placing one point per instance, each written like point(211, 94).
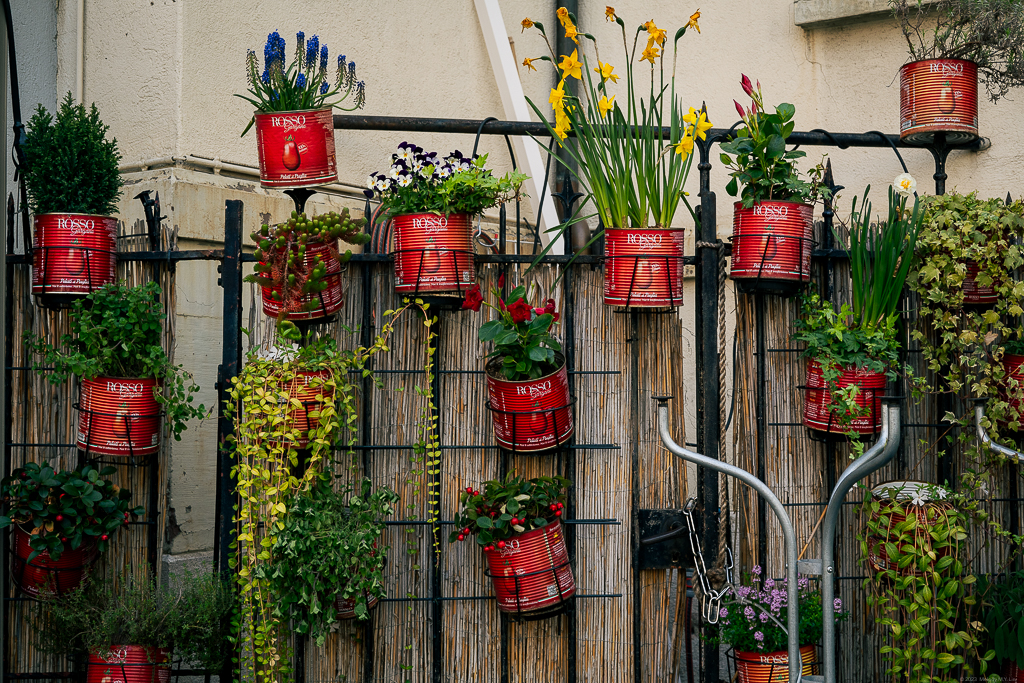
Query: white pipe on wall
point(80, 54)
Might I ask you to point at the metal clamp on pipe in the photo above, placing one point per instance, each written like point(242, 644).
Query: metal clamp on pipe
point(793, 615)
point(984, 438)
point(872, 460)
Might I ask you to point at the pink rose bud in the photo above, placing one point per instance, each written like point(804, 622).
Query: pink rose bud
point(747, 87)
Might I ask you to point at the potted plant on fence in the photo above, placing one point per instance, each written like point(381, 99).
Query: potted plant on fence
point(518, 524)
point(327, 560)
point(431, 201)
point(294, 104)
point(951, 42)
point(73, 186)
point(635, 180)
point(299, 269)
point(125, 376)
point(527, 381)
point(753, 618)
point(1001, 610)
point(62, 521)
point(851, 353)
point(131, 630)
point(773, 223)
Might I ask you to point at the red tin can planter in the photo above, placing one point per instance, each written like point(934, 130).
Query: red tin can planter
point(975, 294)
point(531, 574)
point(44, 575)
point(129, 664)
point(530, 415)
point(118, 416)
point(817, 400)
point(347, 607)
point(877, 557)
point(938, 96)
point(296, 148)
point(433, 254)
point(771, 246)
point(773, 667)
point(328, 302)
point(72, 255)
point(1014, 674)
point(643, 268)
point(305, 387)
point(1013, 365)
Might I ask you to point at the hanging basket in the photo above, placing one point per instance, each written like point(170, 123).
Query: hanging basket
point(818, 412)
point(304, 387)
point(531, 574)
point(771, 246)
point(878, 559)
point(643, 268)
point(433, 254)
point(72, 256)
point(773, 667)
point(974, 293)
point(296, 148)
point(43, 575)
point(533, 415)
point(129, 664)
point(118, 416)
point(938, 96)
point(347, 606)
point(312, 306)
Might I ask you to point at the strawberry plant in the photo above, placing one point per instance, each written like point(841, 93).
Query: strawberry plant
point(507, 508)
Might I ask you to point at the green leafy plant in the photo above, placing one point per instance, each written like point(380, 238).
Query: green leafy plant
point(920, 587)
point(425, 182)
point(507, 508)
point(304, 83)
point(66, 509)
point(281, 251)
point(760, 161)
point(521, 334)
point(191, 617)
point(989, 33)
point(70, 165)
point(1001, 609)
point(115, 332)
point(328, 548)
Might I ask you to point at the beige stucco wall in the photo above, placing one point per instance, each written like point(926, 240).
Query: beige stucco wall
point(163, 73)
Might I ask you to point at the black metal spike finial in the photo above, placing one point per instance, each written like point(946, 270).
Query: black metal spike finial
point(300, 195)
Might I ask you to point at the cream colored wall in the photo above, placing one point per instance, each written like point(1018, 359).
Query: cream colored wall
point(163, 73)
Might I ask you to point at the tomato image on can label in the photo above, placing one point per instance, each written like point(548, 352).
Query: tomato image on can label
point(290, 157)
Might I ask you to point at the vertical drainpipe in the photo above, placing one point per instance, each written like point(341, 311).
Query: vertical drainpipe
point(80, 53)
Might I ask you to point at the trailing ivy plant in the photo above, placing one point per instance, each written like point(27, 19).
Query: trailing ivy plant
point(70, 165)
point(1001, 609)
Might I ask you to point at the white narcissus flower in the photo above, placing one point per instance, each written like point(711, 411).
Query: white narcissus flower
point(905, 184)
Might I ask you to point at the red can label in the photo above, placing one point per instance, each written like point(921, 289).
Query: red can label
point(772, 667)
point(939, 95)
point(304, 387)
point(118, 417)
point(643, 268)
point(974, 293)
point(772, 241)
point(532, 571)
point(531, 415)
point(296, 148)
point(819, 413)
point(433, 253)
point(129, 664)
point(73, 253)
point(327, 302)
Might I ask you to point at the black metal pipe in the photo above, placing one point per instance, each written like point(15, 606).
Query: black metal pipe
point(761, 419)
point(634, 490)
point(366, 422)
point(436, 585)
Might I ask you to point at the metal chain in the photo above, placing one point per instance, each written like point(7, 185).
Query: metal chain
point(710, 599)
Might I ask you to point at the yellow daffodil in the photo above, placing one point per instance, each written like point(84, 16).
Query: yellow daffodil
point(701, 125)
point(606, 105)
point(693, 21)
point(563, 15)
point(685, 146)
point(571, 33)
point(570, 66)
point(691, 117)
point(654, 33)
point(606, 72)
point(649, 54)
point(562, 125)
point(527, 23)
point(557, 96)
point(528, 63)
point(609, 13)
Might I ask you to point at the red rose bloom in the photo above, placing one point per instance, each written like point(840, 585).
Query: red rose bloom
point(473, 299)
point(520, 311)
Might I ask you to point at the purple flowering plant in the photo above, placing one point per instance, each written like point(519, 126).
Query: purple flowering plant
point(754, 615)
point(303, 84)
point(426, 182)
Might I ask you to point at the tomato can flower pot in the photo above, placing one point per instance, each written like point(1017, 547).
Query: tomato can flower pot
point(773, 667)
point(821, 416)
point(304, 387)
point(129, 664)
point(531, 574)
point(118, 416)
point(43, 575)
point(311, 306)
point(533, 415)
point(908, 491)
point(771, 246)
point(296, 148)
point(976, 294)
point(643, 268)
point(938, 96)
point(1013, 366)
point(433, 254)
point(1013, 673)
point(72, 256)
point(347, 606)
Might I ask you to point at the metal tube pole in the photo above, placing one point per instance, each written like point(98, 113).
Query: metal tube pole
point(875, 458)
point(793, 606)
point(983, 437)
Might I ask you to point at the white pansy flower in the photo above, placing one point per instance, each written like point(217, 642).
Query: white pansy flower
point(371, 181)
point(905, 184)
point(383, 184)
point(404, 181)
point(394, 172)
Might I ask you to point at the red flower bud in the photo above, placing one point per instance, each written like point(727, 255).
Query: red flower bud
point(501, 280)
point(739, 108)
point(747, 86)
